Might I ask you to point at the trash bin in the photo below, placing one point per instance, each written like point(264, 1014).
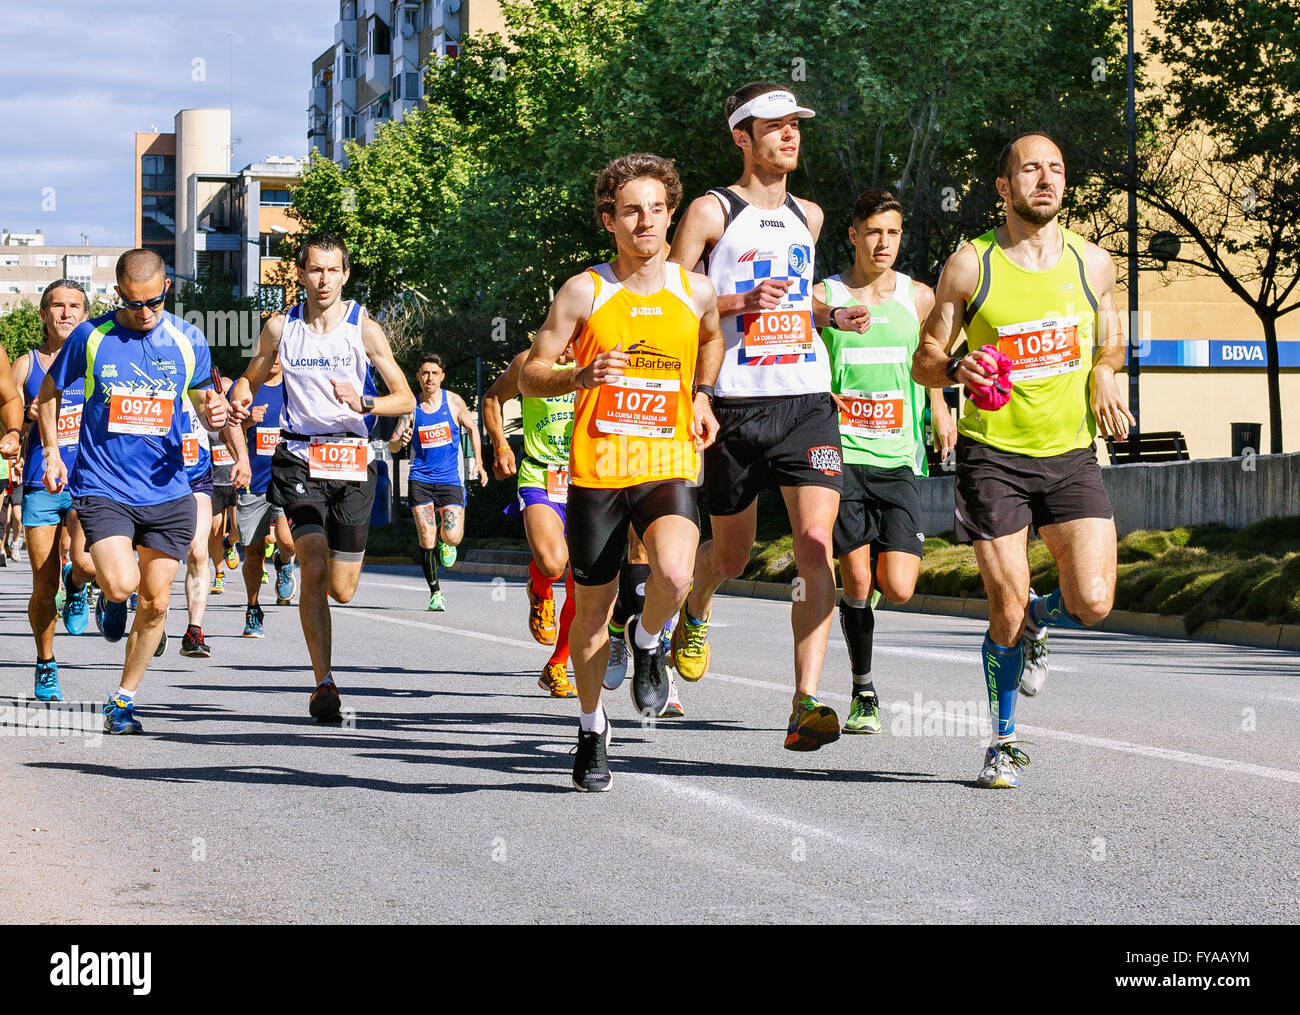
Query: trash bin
point(1246, 435)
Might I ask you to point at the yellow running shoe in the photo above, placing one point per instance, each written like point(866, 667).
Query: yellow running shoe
point(541, 618)
point(812, 725)
point(690, 647)
point(218, 583)
point(556, 680)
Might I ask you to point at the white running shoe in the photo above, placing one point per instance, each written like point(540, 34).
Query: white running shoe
point(616, 668)
point(1034, 675)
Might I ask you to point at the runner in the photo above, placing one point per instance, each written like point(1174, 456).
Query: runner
point(259, 521)
point(436, 490)
point(645, 331)
point(777, 422)
point(323, 472)
point(128, 485)
point(223, 508)
point(878, 537)
point(543, 492)
point(1041, 296)
point(50, 517)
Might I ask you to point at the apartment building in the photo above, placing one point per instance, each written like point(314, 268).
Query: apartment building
point(28, 264)
point(374, 70)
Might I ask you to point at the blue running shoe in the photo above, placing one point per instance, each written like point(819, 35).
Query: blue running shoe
point(47, 681)
point(119, 717)
point(253, 622)
point(284, 583)
point(133, 598)
point(111, 618)
point(76, 612)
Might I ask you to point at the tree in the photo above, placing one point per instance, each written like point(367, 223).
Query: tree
point(1222, 162)
point(20, 329)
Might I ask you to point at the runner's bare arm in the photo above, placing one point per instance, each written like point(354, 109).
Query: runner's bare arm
point(47, 414)
point(20, 370)
point(942, 424)
point(568, 314)
point(467, 422)
point(1108, 404)
point(699, 231)
point(11, 412)
point(503, 389)
point(815, 216)
point(259, 367)
point(942, 327)
point(399, 400)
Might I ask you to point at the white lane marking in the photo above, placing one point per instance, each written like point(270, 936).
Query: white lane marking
point(1122, 746)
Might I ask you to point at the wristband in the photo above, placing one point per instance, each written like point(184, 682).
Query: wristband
point(706, 390)
point(832, 319)
point(12, 429)
point(504, 447)
point(951, 368)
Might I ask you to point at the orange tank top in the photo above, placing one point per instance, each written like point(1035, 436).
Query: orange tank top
point(639, 430)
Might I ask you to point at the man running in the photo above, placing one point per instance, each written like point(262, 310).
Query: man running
point(1041, 296)
point(645, 331)
point(128, 485)
point(436, 485)
point(261, 522)
point(323, 471)
point(777, 422)
point(878, 537)
point(50, 517)
point(542, 493)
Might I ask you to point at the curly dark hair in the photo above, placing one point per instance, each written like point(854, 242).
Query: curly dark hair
point(625, 169)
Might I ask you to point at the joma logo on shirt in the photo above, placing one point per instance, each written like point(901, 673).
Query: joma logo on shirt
point(647, 311)
point(771, 224)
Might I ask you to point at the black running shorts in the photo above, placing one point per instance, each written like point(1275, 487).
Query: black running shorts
point(167, 527)
point(440, 495)
point(338, 508)
point(998, 492)
point(597, 520)
point(223, 497)
point(880, 508)
point(770, 442)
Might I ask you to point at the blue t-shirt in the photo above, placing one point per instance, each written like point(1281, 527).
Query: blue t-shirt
point(263, 437)
point(435, 445)
point(133, 424)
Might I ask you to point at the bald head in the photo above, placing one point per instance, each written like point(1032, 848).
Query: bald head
point(139, 267)
point(1015, 151)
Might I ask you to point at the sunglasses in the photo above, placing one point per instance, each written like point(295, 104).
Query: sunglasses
point(152, 304)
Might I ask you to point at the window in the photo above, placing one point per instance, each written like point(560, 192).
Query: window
point(158, 172)
point(348, 10)
point(14, 288)
point(275, 197)
point(397, 86)
point(46, 260)
point(349, 126)
point(9, 261)
point(158, 217)
point(412, 85)
point(272, 244)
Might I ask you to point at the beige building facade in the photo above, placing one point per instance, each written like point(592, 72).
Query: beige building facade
point(28, 264)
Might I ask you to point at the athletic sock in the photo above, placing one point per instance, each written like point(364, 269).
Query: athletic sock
point(1050, 611)
point(429, 561)
point(592, 722)
point(631, 591)
point(538, 582)
point(1002, 668)
point(865, 687)
point(561, 653)
point(124, 694)
point(858, 622)
point(640, 636)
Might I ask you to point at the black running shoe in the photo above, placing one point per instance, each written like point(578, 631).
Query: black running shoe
point(162, 645)
point(591, 761)
point(649, 678)
point(193, 643)
point(324, 705)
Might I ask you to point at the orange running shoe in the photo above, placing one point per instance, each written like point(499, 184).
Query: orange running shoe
point(541, 618)
point(556, 680)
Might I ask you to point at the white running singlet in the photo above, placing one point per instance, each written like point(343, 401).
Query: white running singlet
point(776, 352)
point(309, 362)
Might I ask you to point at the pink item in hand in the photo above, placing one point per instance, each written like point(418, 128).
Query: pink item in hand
point(995, 395)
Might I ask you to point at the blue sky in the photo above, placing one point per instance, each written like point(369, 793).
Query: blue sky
point(79, 78)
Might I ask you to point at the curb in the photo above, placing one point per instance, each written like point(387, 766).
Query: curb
point(1253, 634)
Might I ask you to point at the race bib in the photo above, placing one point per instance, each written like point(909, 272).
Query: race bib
point(778, 333)
point(190, 450)
point(872, 413)
point(69, 425)
point(145, 412)
point(557, 483)
point(639, 406)
point(435, 435)
point(1043, 348)
point(221, 455)
point(343, 459)
point(265, 440)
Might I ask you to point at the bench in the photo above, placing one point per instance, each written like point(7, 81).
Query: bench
point(1156, 446)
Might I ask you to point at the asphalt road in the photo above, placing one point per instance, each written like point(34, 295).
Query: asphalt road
point(1164, 785)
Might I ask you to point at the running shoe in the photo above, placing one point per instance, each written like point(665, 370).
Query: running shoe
point(1002, 765)
point(541, 618)
point(162, 645)
point(119, 716)
point(265, 577)
point(690, 647)
point(1034, 675)
point(47, 681)
point(76, 612)
point(3, 561)
point(436, 603)
point(134, 598)
point(253, 618)
point(60, 597)
point(555, 679)
point(876, 596)
point(110, 617)
point(446, 554)
point(193, 644)
point(219, 583)
point(324, 704)
point(649, 678)
point(232, 555)
point(591, 762)
point(673, 708)
point(616, 668)
point(285, 586)
point(864, 714)
point(812, 725)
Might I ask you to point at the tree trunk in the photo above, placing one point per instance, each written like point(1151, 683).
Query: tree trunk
point(1274, 385)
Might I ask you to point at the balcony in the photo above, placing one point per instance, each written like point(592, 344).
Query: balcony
point(376, 71)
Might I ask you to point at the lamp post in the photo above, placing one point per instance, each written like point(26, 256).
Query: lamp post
point(1134, 357)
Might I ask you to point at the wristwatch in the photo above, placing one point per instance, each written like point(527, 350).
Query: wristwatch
point(706, 390)
point(832, 318)
point(367, 403)
point(951, 369)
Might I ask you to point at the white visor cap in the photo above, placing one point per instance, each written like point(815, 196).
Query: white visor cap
point(769, 106)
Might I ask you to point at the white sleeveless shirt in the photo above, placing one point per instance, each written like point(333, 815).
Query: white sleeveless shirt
point(777, 352)
point(309, 361)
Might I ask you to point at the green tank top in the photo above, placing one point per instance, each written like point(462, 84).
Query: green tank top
point(1046, 321)
point(548, 428)
point(872, 374)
